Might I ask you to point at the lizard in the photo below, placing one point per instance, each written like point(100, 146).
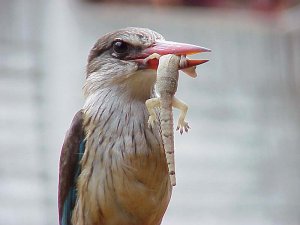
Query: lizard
point(166, 86)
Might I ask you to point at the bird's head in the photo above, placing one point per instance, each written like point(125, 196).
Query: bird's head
point(117, 60)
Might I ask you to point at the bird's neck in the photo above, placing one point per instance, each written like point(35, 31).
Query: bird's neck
point(126, 97)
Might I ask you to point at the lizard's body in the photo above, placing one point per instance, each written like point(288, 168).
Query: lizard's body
point(166, 86)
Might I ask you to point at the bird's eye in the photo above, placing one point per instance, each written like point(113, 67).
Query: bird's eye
point(120, 48)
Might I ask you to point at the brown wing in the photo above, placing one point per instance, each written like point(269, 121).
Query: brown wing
point(69, 161)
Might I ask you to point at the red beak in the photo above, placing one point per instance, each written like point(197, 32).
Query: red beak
point(169, 47)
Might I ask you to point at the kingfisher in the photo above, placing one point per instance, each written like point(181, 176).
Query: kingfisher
point(112, 168)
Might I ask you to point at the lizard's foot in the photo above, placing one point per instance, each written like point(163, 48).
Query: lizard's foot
point(151, 121)
point(152, 56)
point(182, 125)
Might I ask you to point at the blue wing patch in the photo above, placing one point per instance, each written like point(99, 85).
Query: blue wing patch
point(70, 201)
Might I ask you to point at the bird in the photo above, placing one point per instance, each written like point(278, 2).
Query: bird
point(112, 168)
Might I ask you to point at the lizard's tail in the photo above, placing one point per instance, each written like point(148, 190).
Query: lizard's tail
point(166, 119)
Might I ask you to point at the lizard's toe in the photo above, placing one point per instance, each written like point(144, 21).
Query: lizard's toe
point(183, 126)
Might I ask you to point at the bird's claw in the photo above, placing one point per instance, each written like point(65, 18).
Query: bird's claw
point(182, 125)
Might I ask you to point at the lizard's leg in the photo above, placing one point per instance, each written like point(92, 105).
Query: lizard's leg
point(151, 104)
point(182, 124)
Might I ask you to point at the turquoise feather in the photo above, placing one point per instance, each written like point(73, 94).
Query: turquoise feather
point(72, 194)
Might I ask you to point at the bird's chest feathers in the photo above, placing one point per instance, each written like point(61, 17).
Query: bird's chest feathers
point(123, 157)
point(123, 161)
point(121, 137)
point(118, 126)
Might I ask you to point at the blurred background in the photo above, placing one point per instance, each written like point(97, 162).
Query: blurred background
point(240, 163)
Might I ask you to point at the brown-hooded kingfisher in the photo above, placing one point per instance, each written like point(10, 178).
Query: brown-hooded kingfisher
point(113, 168)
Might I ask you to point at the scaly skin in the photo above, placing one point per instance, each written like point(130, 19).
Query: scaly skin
point(166, 85)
